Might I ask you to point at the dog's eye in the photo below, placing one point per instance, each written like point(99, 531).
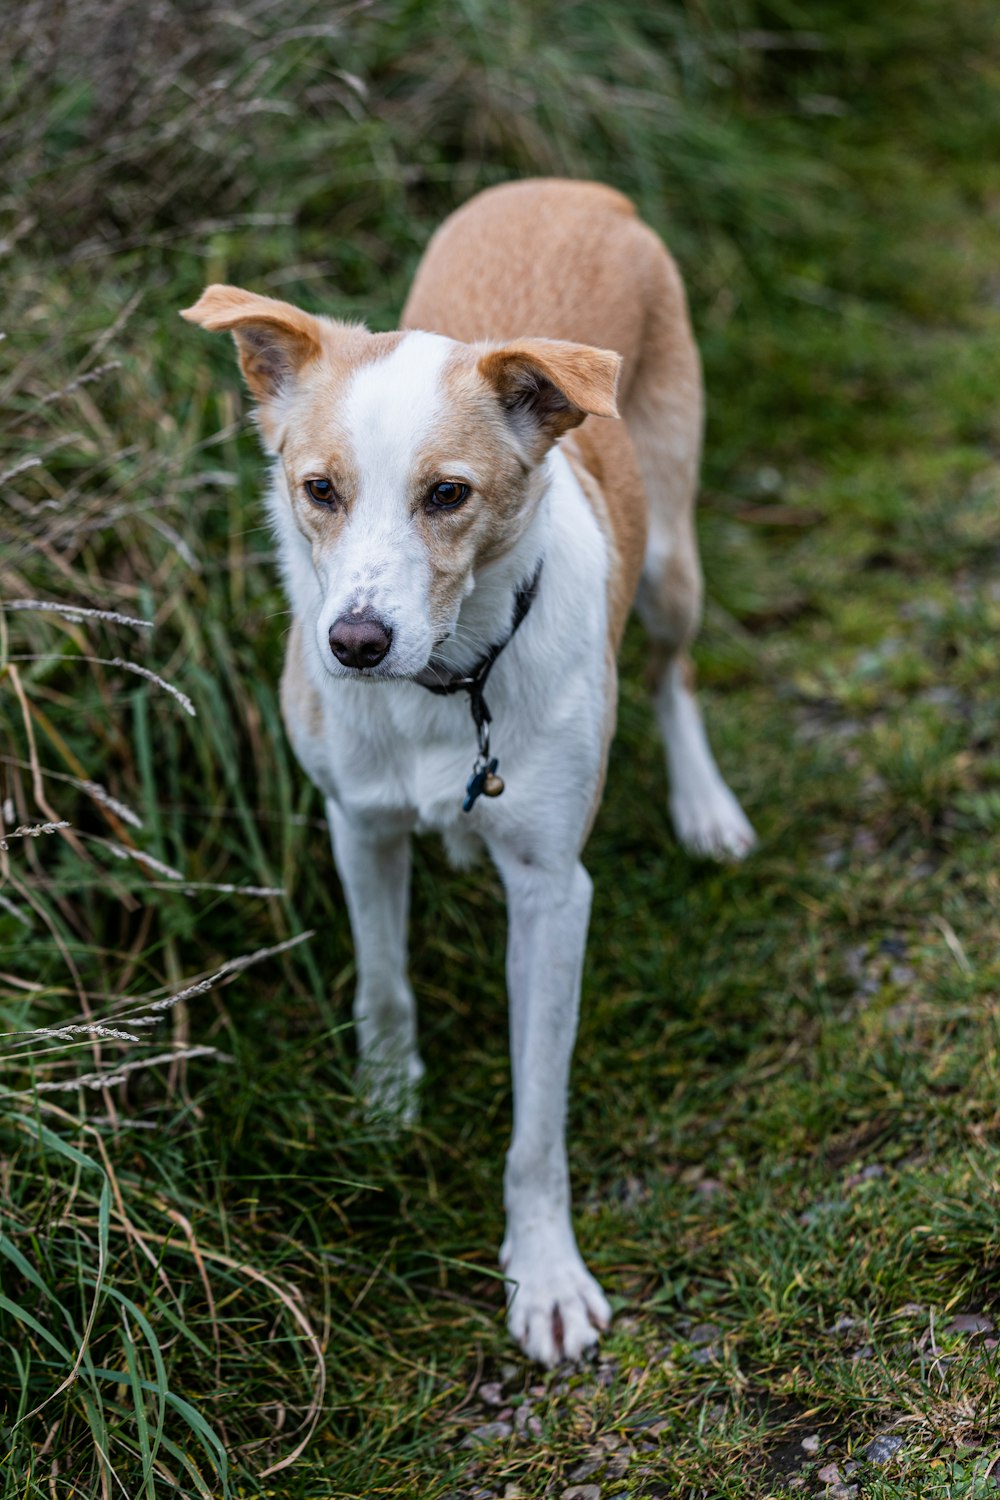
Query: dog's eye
point(447, 495)
point(321, 491)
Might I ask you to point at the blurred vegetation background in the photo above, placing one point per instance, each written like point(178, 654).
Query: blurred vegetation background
point(217, 1278)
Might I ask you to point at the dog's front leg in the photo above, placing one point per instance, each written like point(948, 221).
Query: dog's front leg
point(374, 867)
point(555, 1306)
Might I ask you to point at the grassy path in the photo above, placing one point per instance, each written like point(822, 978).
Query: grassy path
point(787, 1086)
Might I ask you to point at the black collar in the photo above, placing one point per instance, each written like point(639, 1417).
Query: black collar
point(484, 777)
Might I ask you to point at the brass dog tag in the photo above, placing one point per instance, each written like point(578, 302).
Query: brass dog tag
point(484, 780)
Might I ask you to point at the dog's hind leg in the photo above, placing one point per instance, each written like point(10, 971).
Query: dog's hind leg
point(374, 868)
point(707, 817)
point(663, 412)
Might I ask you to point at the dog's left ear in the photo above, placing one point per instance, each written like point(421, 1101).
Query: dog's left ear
point(553, 384)
point(274, 338)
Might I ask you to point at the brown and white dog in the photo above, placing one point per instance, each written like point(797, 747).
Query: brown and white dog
point(462, 500)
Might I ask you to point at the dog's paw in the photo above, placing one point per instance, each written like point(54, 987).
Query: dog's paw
point(391, 1090)
point(556, 1309)
point(713, 826)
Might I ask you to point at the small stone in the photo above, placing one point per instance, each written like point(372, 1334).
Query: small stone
point(511, 1492)
point(882, 1448)
point(582, 1492)
point(867, 1174)
point(631, 1191)
point(617, 1466)
point(854, 960)
point(768, 480)
point(943, 696)
point(710, 1188)
point(489, 1432)
point(811, 1444)
point(704, 1333)
point(843, 1325)
point(865, 1352)
point(816, 1212)
point(588, 1467)
point(829, 1474)
point(491, 1394)
point(970, 1323)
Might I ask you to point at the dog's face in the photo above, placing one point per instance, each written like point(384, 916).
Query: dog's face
point(410, 462)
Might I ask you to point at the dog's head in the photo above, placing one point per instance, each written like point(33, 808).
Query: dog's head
point(410, 461)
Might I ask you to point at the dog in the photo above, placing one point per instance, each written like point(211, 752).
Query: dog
point(465, 511)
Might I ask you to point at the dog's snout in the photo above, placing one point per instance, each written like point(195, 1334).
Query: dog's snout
point(360, 640)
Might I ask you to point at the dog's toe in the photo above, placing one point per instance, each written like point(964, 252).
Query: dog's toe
point(557, 1310)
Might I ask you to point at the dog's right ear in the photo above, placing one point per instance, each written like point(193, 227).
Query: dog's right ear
point(274, 338)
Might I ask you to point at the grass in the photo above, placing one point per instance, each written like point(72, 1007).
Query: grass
point(218, 1279)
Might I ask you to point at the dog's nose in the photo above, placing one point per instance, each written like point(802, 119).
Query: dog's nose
point(359, 640)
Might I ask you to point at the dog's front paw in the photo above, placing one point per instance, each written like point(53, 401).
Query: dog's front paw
point(713, 826)
point(391, 1090)
point(556, 1310)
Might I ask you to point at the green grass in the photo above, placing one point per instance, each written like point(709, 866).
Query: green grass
point(785, 1101)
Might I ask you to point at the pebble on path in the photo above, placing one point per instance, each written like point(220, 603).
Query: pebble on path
point(489, 1432)
point(882, 1448)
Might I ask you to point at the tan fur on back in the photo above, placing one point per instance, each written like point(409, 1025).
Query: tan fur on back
point(570, 260)
point(545, 259)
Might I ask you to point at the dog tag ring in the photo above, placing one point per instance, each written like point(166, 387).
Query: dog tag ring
point(484, 775)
